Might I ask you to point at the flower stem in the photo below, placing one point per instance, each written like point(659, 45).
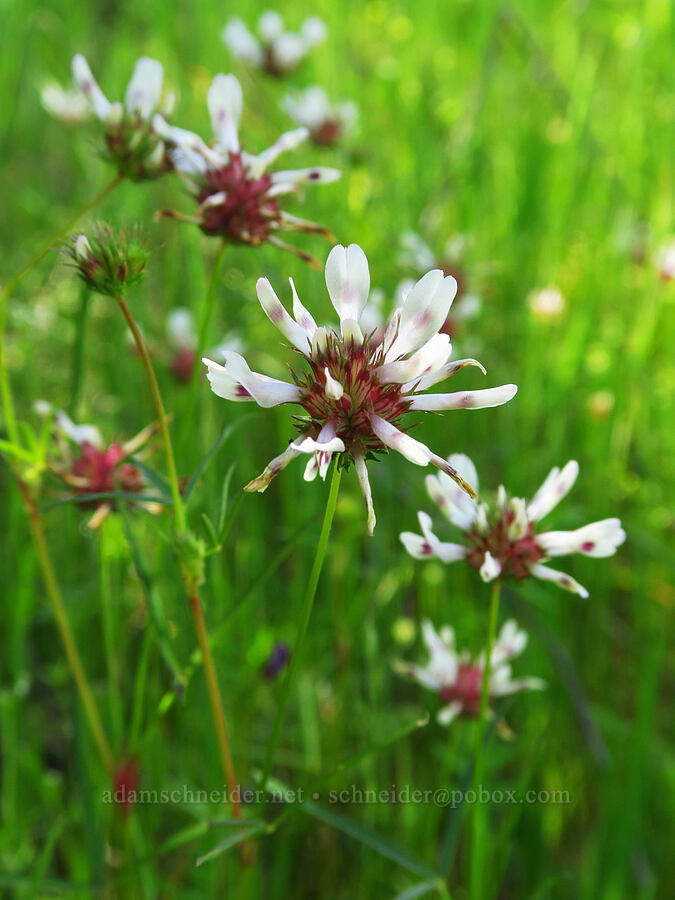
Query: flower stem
point(8, 290)
point(478, 842)
point(63, 623)
point(179, 512)
point(193, 594)
point(216, 702)
point(305, 614)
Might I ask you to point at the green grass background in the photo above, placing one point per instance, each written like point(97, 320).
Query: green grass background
point(545, 132)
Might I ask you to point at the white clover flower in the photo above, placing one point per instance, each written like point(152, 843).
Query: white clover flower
point(327, 122)
point(546, 303)
point(181, 336)
point(503, 541)
point(277, 51)
point(459, 680)
point(132, 143)
point(664, 259)
point(239, 200)
point(356, 388)
point(70, 106)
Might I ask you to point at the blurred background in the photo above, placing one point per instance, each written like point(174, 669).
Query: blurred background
point(530, 146)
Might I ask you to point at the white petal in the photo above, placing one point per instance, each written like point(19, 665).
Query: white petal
point(510, 643)
point(278, 316)
point(272, 469)
point(441, 374)
point(79, 434)
point(465, 399)
point(145, 88)
point(241, 42)
point(416, 545)
point(264, 390)
point(511, 686)
point(428, 358)
point(225, 104)
point(316, 175)
point(288, 141)
point(464, 467)
point(302, 315)
point(333, 388)
point(287, 50)
point(348, 280)
point(491, 568)
point(453, 502)
point(556, 486)
point(87, 84)
point(598, 539)
point(424, 311)
point(223, 384)
point(565, 581)
point(364, 482)
point(313, 31)
point(449, 713)
point(270, 26)
point(180, 328)
point(415, 252)
point(414, 451)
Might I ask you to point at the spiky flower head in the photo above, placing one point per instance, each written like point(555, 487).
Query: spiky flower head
point(458, 679)
point(503, 540)
point(132, 143)
point(276, 51)
point(109, 261)
point(355, 388)
point(238, 199)
point(97, 467)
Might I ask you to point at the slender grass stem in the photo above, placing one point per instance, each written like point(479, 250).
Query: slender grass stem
point(63, 623)
point(202, 337)
point(477, 864)
point(179, 512)
point(8, 290)
point(305, 614)
point(193, 595)
point(78, 351)
point(109, 637)
point(216, 702)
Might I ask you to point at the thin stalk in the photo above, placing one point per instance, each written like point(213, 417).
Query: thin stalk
point(216, 703)
point(202, 337)
point(179, 512)
point(478, 842)
point(8, 290)
point(109, 639)
point(193, 596)
point(78, 351)
point(63, 623)
point(305, 614)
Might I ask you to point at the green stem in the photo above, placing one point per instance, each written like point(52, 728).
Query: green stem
point(8, 290)
point(179, 512)
point(78, 351)
point(305, 614)
point(202, 337)
point(63, 623)
point(109, 638)
point(478, 843)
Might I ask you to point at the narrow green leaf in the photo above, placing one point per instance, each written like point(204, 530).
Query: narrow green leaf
point(154, 477)
point(208, 459)
point(231, 841)
point(105, 495)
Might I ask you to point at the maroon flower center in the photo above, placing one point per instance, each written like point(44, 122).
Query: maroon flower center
point(515, 556)
point(466, 689)
point(183, 364)
point(99, 471)
point(246, 214)
point(327, 133)
point(353, 367)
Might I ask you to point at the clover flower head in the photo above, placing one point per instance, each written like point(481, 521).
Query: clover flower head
point(277, 51)
point(503, 541)
point(355, 387)
point(327, 122)
point(546, 303)
point(239, 200)
point(132, 142)
point(97, 468)
point(108, 260)
point(458, 679)
point(664, 259)
point(70, 106)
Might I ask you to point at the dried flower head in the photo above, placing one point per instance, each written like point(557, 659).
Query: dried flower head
point(238, 199)
point(277, 51)
point(327, 122)
point(132, 143)
point(502, 541)
point(458, 679)
point(98, 468)
point(109, 261)
point(355, 387)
